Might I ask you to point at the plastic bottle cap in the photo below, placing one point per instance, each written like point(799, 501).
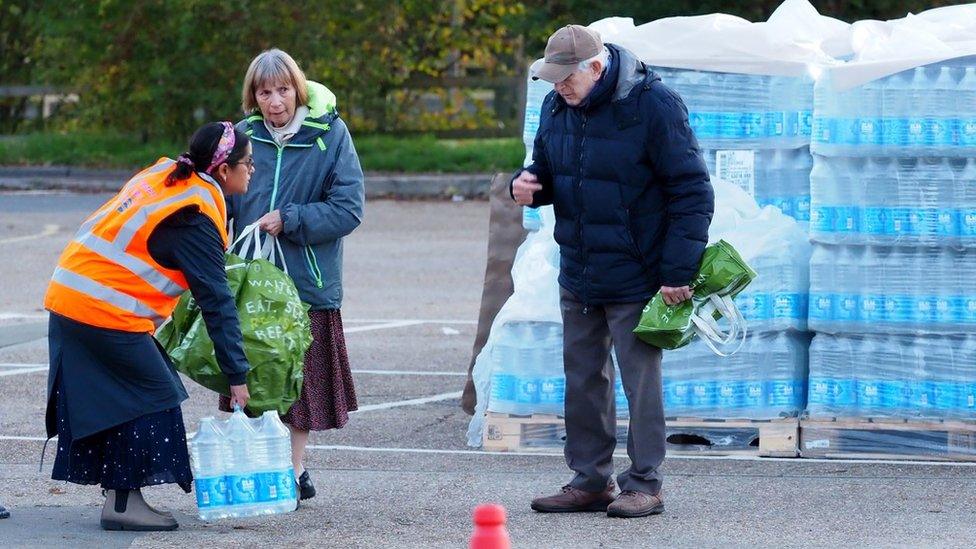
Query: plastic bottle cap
point(489, 514)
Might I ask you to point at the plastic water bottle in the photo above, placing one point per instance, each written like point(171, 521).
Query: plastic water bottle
point(877, 201)
point(872, 296)
point(504, 372)
point(966, 111)
point(942, 120)
point(531, 218)
point(850, 279)
point(824, 183)
point(965, 293)
point(966, 369)
point(242, 479)
point(964, 186)
point(868, 382)
point(823, 290)
point(802, 163)
point(831, 390)
point(919, 374)
point(552, 378)
point(847, 196)
point(783, 392)
point(920, 95)
point(272, 460)
point(208, 451)
point(897, 99)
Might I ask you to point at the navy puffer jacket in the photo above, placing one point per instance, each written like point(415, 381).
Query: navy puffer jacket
point(628, 184)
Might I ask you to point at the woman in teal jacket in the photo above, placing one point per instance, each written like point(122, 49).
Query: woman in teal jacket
point(308, 191)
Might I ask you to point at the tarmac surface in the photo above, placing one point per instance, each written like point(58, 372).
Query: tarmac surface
point(400, 474)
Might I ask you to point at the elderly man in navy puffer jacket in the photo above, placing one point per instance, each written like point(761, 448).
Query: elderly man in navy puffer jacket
point(616, 158)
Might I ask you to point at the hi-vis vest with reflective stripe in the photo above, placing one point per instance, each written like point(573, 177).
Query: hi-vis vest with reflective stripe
point(106, 277)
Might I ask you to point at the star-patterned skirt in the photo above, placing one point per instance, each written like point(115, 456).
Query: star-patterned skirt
point(145, 451)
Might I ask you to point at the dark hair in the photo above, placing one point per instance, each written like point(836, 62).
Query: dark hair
point(203, 145)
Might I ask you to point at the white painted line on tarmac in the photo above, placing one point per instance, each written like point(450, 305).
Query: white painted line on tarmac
point(411, 402)
point(8, 315)
point(414, 320)
point(369, 372)
point(387, 450)
point(384, 326)
point(19, 371)
point(407, 373)
point(49, 230)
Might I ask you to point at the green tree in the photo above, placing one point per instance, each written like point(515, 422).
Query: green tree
point(16, 38)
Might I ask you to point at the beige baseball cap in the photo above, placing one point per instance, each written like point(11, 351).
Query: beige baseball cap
point(567, 47)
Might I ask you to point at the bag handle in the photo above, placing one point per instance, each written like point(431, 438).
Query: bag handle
point(708, 329)
point(261, 246)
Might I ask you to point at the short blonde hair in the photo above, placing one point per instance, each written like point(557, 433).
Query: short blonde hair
point(272, 65)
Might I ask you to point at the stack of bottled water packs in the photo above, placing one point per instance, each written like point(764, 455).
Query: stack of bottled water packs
point(754, 131)
point(766, 378)
point(894, 224)
point(242, 467)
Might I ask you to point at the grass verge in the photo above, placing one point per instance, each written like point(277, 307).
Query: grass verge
point(377, 153)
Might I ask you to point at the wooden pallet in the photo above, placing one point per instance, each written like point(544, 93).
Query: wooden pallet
point(888, 438)
point(686, 436)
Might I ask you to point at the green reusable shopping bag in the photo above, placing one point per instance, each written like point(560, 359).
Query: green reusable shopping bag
point(722, 275)
point(276, 330)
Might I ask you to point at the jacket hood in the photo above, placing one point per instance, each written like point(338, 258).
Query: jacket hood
point(322, 112)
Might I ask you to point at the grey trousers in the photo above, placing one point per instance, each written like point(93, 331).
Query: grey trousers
point(590, 410)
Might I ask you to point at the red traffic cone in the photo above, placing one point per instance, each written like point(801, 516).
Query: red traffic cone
point(489, 528)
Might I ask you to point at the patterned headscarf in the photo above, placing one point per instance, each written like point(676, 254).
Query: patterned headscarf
point(224, 147)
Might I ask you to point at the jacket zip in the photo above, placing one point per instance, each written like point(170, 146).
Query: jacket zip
point(311, 263)
point(579, 203)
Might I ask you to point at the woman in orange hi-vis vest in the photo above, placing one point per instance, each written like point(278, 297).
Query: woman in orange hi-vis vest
point(113, 395)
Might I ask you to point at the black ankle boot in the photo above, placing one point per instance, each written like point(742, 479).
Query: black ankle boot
point(4, 513)
point(306, 489)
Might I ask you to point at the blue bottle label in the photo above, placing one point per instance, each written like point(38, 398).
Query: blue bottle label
point(966, 128)
point(845, 392)
point(939, 132)
point(754, 307)
point(822, 306)
point(272, 485)
point(782, 393)
point(924, 221)
point(901, 222)
point(967, 223)
point(899, 308)
point(787, 305)
point(677, 393)
point(822, 219)
point(776, 124)
point(923, 311)
point(946, 395)
point(703, 394)
point(730, 394)
point(967, 397)
point(966, 309)
point(895, 395)
point(869, 393)
point(895, 132)
point(552, 390)
point(806, 123)
point(211, 492)
point(801, 208)
point(754, 394)
point(873, 308)
point(502, 388)
point(526, 390)
point(947, 222)
point(869, 131)
point(874, 220)
point(821, 391)
point(821, 131)
point(922, 395)
point(243, 488)
point(845, 219)
point(916, 131)
point(946, 310)
point(848, 308)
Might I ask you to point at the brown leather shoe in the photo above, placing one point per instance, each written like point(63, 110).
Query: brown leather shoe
point(632, 504)
point(574, 500)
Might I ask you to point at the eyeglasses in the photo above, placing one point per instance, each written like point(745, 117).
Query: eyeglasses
point(249, 162)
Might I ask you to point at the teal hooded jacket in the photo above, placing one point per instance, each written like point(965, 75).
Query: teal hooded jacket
point(316, 181)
